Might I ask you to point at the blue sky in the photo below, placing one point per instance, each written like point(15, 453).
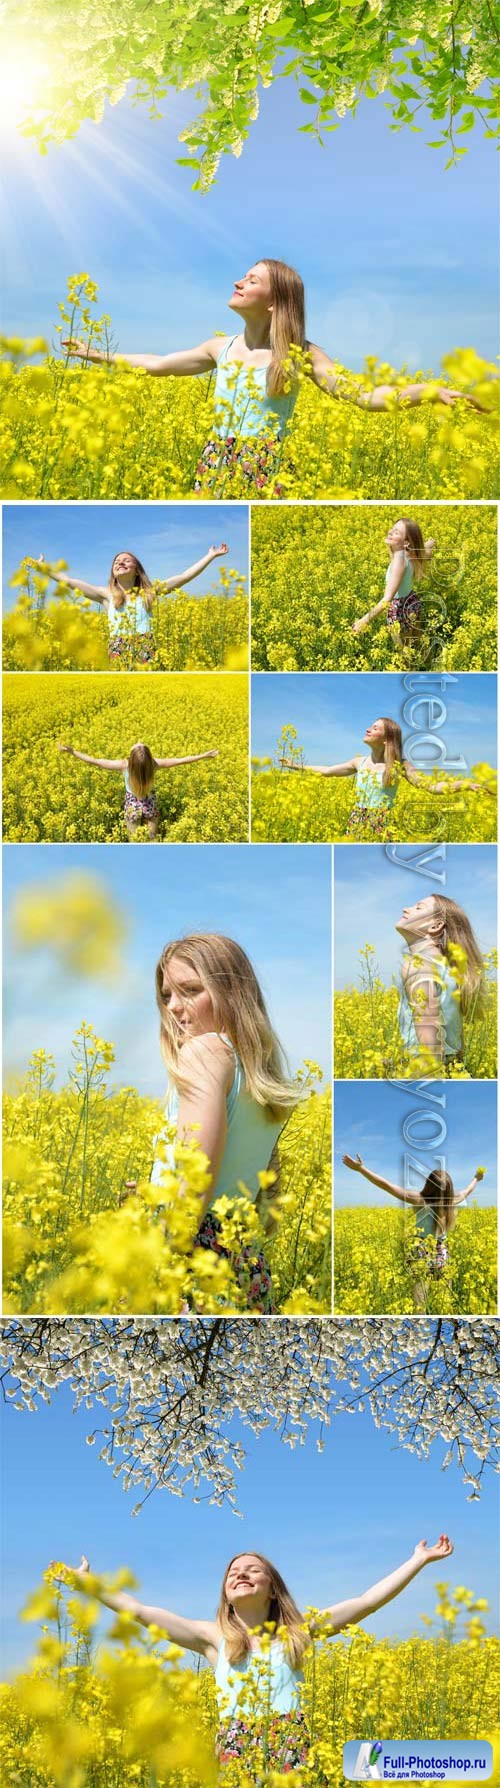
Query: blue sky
point(371, 889)
point(369, 1120)
point(331, 713)
point(166, 537)
point(332, 1527)
point(274, 900)
point(398, 257)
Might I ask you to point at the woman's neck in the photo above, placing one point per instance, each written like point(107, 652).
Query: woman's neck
point(377, 753)
point(257, 334)
point(430, 944)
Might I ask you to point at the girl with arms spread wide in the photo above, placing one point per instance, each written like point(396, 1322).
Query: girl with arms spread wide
point(128, 599)
point(256, 382)
point(236, 1647)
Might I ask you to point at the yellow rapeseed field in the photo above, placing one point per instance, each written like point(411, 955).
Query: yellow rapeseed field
point(87, 431)
point(51, 796)
point(76, 1241)
point(375, 1274)
point(50, 629)
point(368, 1041)
point(306, 808)
point(316, 571)
point(128, 1713)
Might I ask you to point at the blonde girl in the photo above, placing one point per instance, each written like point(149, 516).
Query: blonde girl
point(256, 387)
point(242, 1653)
point(442, 977)
point(409, 554)
point(435, 1207)
point(228, 1089)
point(138, 771)
point(378, 777)
point(128, 599)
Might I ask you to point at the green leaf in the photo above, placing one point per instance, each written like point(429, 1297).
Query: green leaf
point(310, 99)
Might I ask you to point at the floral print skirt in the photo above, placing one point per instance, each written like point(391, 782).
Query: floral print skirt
point(140, 649)
point(435, 1263)
point(405, 609)
point(256, 460)
point(251, 1270)
point(375, 817)
point(284, 1747)
point(140, 809)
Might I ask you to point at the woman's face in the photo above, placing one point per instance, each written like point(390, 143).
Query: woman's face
point(397, 535)
point(123, 563)
point(187, 999)
point(247, 1576)
point(375, 733)
point(252, 294)
point(416, 921)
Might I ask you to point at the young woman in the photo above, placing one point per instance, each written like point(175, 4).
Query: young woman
point(138, 771)
point(256, 380)
point(409, 553)
point(435, 1209)
point(228, 1089)
point(128, 599)
point(378, 776)
point(253, 1593)
point(442, 977)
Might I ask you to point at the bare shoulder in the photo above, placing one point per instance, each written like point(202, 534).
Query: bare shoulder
point(208, 1056)
point(216, 344)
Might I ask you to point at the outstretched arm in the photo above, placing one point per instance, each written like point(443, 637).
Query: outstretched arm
point(186, 577)
point(382, 396)
point(395, 578)
point(100, 763)
point(188, 363)
point(344, 1614)
point(377, 1179)
point(461, 1196)
point(170, 763)
point(450, 786)
point(194, 1635)
point(97, 592)
point(347, 769)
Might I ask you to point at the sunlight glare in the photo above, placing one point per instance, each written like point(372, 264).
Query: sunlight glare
point(22, 81)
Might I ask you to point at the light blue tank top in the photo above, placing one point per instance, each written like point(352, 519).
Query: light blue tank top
point(250, 1138)
point(132, 618)
point(370, 791)
point(242, 405)
point(270, 1672)
point(449, 1010)
point(407, 580)
point(424, 1221)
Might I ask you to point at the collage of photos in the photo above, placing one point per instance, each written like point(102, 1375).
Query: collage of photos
point(250, 618)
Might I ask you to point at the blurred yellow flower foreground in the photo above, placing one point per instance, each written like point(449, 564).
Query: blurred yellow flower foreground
point(127, 1713)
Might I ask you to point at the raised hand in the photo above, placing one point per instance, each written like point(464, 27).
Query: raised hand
point(64, 1572)
point(217, 552)
point(80, 349)
point(68, 748)
point(433, 1554)
point(353, 1161)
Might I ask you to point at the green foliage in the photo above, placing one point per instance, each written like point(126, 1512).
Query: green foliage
point(420, 52)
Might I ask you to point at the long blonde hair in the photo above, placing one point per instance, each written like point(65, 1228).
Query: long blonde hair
point(414, 544)
point(439, 1194)
point(288, 322)
point(227, 974)
point(282, 1610)
point(141, 582)
point(393, 749)
point(455, 928)
point(141, 770)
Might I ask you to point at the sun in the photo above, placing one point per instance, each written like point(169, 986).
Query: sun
point(22, 81)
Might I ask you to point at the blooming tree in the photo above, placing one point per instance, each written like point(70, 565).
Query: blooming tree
point(175, 1393)
point(433, 53)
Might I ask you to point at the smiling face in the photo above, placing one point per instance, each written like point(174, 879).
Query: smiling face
point(186, 999)
point(123, 564)
point(247, 1576)
point(375, 734)
point(419, 920)
point(252, 294)
point(396, 537)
